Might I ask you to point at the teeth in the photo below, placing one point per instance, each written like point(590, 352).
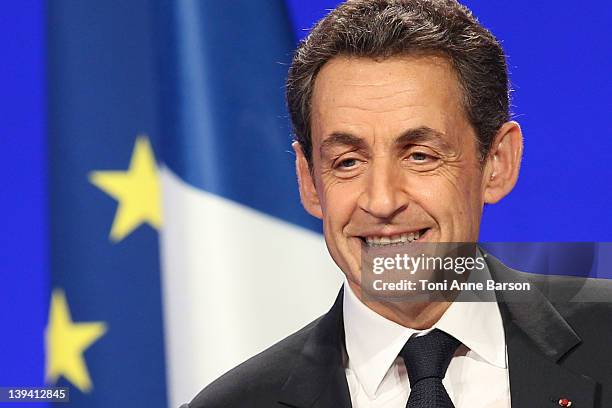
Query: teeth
point(393, 240)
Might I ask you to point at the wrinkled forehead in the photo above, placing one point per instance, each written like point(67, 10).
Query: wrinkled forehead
point(371, 97)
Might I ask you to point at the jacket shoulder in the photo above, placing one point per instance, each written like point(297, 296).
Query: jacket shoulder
point(574, 289)
point(586, 305)
point(255, 381)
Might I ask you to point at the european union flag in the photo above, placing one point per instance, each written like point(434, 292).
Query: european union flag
point(170, 141)
point(104, 337)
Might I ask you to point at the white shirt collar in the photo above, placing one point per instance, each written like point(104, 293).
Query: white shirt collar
point(374, 342)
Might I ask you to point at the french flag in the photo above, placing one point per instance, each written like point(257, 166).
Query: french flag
point(243, 265)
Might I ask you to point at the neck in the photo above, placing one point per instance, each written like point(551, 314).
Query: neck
point(414, 315)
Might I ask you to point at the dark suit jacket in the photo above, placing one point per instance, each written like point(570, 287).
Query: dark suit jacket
point(555, 350)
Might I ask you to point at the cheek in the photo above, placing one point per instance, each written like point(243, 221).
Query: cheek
point(339, 200)
point(437, 197)
point(469, 190)
point(446, 196)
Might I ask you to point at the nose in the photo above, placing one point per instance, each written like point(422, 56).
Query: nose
point(384, 195)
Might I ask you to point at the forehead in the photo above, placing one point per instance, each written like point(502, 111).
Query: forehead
point(369, 97)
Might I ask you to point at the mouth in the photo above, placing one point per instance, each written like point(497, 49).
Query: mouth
point(396, 239)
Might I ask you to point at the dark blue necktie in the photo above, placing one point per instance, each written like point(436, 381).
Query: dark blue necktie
point(427, 358)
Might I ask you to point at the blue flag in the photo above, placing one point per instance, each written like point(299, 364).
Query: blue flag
point(171, 173)
point(236, 242)
point(225, 126)
point(104, 336)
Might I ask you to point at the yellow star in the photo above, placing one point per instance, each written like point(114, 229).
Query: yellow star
point(136, 190)
point(65, 342)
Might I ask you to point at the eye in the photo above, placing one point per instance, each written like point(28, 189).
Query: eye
point(346, 163)
point(348, 166)
point(421, 157)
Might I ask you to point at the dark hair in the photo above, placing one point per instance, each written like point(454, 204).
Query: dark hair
point(385, 28)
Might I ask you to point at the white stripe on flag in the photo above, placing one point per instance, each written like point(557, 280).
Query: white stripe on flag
point(234, 282)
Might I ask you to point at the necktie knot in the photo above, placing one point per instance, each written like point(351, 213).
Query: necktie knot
point(428, 356)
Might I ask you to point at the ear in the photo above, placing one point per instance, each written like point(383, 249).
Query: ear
point(308, 192)
point(503, 162)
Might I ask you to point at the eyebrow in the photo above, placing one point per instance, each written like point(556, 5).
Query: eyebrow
point(342, 139)
point(421, 134)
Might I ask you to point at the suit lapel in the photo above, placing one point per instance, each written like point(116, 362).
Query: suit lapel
point(537, 338)
point(318, 379)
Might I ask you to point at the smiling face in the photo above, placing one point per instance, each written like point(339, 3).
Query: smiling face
point(395, 157)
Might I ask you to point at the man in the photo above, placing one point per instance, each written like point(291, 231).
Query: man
point(401, 115)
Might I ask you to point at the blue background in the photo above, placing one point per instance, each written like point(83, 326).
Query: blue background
point(560, 62)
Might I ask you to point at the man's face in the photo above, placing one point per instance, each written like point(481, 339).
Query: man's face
point(394, 156)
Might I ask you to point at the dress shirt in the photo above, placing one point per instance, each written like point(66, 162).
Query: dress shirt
point(477, 376)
